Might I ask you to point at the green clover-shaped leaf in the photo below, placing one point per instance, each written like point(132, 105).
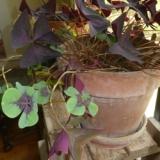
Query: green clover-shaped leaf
point(93, 109)
point(21, 99)
point(28, 120)
point(71, 104)
point(71, 91)
point(74, 108)
point(79, 110)
point(9, 99)
point(77, 101)
point(43, 92)
point(20, 87)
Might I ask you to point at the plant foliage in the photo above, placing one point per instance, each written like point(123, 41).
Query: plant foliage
point(23, 101)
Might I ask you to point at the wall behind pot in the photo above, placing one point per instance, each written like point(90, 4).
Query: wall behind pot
point(151, 106)
point(8, 12)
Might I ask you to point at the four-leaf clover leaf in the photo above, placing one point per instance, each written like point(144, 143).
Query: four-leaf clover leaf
point(43, 92)
point(23, 101)
point(78, 103)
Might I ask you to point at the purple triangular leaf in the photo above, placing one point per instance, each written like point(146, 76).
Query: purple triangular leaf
point(140, 8)
point(151, 6)
point(60, 146)
point(114, 5)
point(157, 18)
point(117, 25)
point(24, 6)
point(106, 8)
point(41, 27)
point(41, 11)
point(125, 48)
point(21, 31)
point(47, 9)
point(96, 26)
point(37, 54)
point(50, 38)
point(96, 21)
point(79, 85)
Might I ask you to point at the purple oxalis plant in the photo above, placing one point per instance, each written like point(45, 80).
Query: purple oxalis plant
point(99, 23)
point(37, 39)
point(40, 37)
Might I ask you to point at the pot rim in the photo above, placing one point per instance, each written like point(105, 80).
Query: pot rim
point(121, 72)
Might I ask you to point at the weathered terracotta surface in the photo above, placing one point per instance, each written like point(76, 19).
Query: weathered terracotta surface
point(122, 98)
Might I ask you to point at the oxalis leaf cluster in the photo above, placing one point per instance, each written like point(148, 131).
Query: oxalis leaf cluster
point(24, 100)
point(79, 103)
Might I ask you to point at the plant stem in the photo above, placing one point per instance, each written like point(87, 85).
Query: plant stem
point(9, 70)
point(51, 98)
point(4, 77)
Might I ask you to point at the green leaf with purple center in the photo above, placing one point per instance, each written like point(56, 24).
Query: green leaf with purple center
point(43, 92)
point(28, 120)
point(22, 99)
point(74, 108)
point(78, 102)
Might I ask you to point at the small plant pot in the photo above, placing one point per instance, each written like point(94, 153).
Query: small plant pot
point(122, 98)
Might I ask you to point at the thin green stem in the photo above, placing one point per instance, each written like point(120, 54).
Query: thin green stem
point(51, 98)
point(4, 77)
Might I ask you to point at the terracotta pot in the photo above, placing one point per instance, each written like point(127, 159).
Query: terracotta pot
point(122, 99)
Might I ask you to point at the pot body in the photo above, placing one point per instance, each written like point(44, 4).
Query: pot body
point(122, 98)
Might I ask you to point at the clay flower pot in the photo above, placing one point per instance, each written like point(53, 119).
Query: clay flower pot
point(122, 98)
